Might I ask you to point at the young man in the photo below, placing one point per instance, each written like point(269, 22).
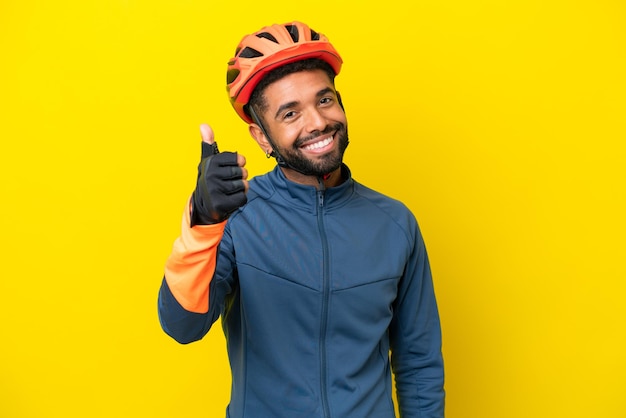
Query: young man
point(316, 277)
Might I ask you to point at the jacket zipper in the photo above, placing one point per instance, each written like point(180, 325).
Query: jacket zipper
point(325, 300)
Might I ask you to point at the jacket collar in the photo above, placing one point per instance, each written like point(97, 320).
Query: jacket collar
point(307, 197)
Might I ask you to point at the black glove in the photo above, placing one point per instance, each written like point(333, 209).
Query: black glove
point(219, 188)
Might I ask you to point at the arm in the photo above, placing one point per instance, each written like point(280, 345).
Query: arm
point(188, 301)
point(416, 341)
point(183, 304)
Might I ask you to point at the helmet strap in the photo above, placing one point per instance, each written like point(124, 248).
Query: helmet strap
point(279, 159)
point(340, 101)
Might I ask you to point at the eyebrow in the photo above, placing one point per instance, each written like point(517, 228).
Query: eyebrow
point(288, 105)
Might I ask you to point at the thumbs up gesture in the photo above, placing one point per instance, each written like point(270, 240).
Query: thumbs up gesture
point(222, 182)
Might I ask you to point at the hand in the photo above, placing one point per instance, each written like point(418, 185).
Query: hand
point(222, 182)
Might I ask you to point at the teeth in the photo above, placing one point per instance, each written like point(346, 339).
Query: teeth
point(319, 144)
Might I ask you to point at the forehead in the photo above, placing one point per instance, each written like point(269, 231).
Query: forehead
point(297, 87)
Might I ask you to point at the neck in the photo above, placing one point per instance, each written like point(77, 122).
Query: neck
point(332, 179)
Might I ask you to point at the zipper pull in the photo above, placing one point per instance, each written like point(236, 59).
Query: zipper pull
point(320, 191)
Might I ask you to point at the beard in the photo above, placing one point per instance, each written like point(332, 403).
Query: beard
point(294, 158)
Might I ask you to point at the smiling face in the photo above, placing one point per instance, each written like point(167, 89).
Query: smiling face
point(306, 123)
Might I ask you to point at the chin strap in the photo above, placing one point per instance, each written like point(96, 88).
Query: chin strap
point(279, 159)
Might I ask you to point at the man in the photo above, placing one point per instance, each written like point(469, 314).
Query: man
point(316, 277)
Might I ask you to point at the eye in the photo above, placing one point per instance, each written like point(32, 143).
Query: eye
point(289, 115)
point(326, 100)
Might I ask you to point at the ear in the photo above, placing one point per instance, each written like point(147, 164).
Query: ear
point(257, 133)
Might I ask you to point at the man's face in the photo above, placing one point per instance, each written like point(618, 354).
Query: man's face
point(306, 122)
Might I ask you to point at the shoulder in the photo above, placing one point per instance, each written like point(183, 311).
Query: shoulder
point(389, 210)
point(384, 203)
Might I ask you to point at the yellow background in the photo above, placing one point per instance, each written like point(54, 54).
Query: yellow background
point(501, 124)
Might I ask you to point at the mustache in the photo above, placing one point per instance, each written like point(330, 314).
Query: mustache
point(339, 127)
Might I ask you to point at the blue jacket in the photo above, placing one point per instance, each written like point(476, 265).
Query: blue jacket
point(315, 289)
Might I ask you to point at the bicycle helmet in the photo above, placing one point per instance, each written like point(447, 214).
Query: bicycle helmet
point(271, 47)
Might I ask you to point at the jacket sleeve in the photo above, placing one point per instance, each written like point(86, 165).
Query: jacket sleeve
point(415, 335)
point(184, 310)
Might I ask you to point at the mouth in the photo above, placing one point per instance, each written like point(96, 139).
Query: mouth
point(320, 144)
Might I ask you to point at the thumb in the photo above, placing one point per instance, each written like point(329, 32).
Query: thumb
point(207, 133)
point(209, 146)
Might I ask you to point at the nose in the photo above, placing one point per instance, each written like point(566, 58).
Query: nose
point(315, 121)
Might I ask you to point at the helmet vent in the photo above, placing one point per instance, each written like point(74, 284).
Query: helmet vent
point(231, 75)
point(267, 36)
point(293, 32)
point(314, 35)
point(248, 52)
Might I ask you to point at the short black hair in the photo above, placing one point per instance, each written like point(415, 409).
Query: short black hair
point(257, 98)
